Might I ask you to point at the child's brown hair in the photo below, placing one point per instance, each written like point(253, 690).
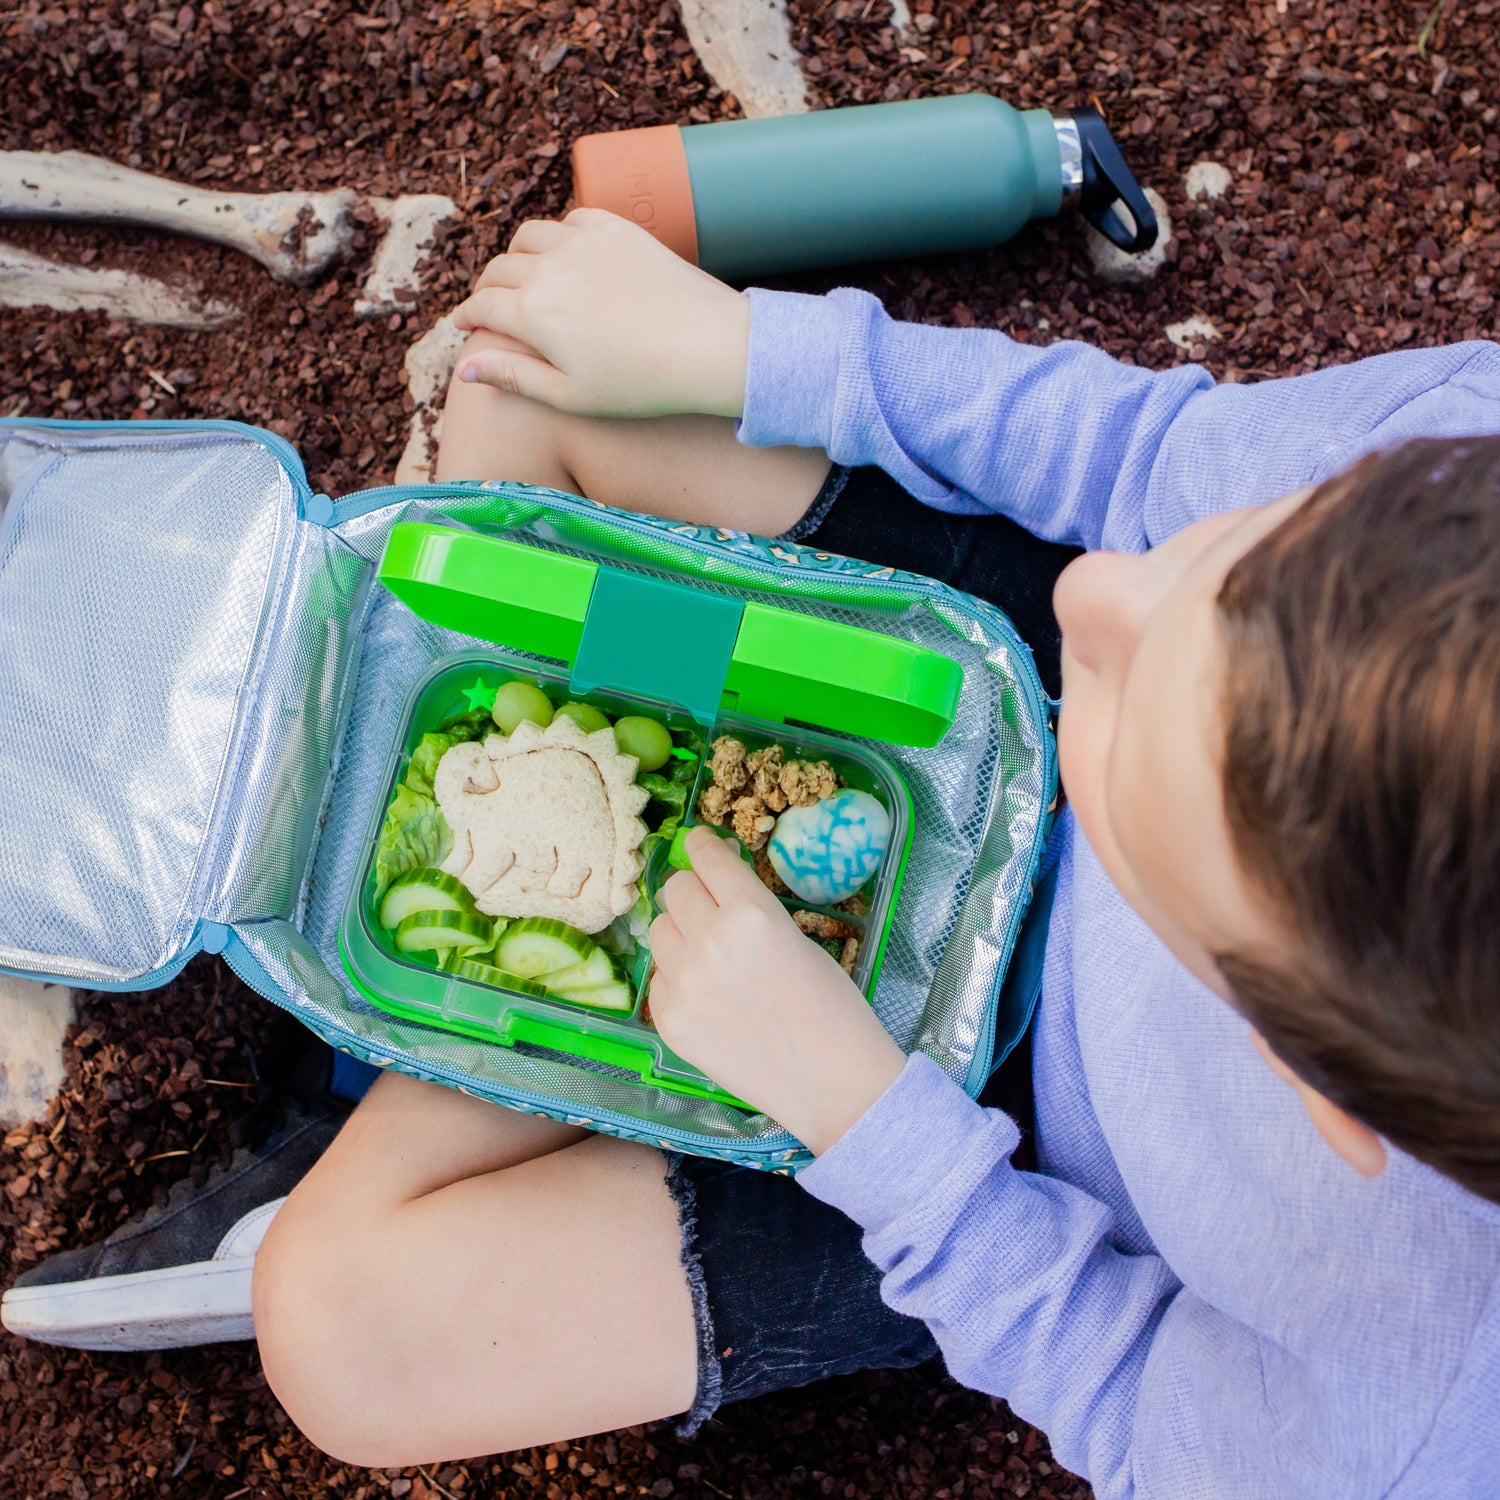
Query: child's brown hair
point(1362, 794)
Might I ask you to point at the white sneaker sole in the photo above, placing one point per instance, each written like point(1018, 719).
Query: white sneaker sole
point(207, 1302)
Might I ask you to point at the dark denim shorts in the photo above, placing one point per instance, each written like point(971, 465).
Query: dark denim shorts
point(782, 1292)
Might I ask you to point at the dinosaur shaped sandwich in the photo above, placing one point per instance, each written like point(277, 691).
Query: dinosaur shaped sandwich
point(546, 823)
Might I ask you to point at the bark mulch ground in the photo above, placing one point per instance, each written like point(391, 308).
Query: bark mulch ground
point(1363, 216)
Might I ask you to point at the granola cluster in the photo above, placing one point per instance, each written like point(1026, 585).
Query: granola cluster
point(840, 938)
point(748, 788)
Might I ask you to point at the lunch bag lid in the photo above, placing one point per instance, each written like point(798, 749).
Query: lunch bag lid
point(173, 635)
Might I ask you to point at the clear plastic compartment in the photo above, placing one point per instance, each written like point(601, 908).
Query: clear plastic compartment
point(415, 989)
point(859, 767)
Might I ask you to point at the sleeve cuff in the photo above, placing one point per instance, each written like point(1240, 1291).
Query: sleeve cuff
point(910, 1138)
point(791, 377)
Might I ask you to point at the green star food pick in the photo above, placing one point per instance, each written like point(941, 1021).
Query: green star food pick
point(481, 695)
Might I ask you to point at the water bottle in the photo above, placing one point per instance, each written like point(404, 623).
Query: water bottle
point(746, 198)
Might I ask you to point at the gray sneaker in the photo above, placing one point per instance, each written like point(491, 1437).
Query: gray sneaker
point(178, 1274)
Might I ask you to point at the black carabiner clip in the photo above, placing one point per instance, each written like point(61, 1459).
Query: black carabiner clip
point(1107, 181)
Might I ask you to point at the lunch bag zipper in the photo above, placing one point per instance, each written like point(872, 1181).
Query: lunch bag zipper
point(286, 455)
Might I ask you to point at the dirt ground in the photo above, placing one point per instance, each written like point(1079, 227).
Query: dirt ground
point(1363, 215)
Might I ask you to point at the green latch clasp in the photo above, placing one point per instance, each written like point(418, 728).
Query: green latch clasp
point(661, 640)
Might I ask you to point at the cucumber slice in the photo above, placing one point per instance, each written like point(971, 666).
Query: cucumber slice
point(538, 945)
point(597, 968)
point(613, 995)
point(434, 931)
point(423, 890)
point(481, 973)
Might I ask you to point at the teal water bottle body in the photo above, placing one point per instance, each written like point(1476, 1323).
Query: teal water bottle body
point(745, 197)
point(875, 182)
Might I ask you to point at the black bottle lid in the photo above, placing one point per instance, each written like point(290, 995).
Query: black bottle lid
point(1095, 169)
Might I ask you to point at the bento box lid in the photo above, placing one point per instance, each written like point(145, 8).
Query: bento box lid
point(675, 642)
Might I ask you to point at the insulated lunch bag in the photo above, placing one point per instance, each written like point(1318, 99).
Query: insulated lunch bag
point(223, 693)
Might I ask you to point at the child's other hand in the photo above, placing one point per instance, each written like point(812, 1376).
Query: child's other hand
point(606, 321)
point(767, 1014)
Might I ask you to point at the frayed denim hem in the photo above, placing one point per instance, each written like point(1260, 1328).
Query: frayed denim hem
point(684, 1193)
point(823, 502)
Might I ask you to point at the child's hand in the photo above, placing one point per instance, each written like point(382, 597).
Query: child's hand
point(606, 321)
point(767, 1014)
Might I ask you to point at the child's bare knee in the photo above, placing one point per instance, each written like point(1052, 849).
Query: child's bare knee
point(308, 1324)
point(336, 1351)
point(494, 434)
point(294, 1319)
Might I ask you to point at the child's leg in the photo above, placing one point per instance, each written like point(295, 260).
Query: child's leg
point(453, 1278)
point(691, 468)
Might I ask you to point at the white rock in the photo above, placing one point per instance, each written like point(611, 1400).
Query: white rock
point(746, 47)
point(28, 280)
point(1113, 264)
point(1191, 331)
point(295, 236)
point(900, 17)
point(429, 367)
point(409, 225)
point(1206, 179)
point(33, 1019)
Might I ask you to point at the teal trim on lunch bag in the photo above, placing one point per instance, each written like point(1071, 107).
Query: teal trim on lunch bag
point(152, 981)
point(208, 937)
point(286, 455)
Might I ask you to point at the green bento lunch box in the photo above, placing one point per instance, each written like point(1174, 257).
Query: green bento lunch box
point(701, 663)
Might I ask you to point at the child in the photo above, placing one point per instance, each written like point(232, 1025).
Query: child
point(1261, 1254)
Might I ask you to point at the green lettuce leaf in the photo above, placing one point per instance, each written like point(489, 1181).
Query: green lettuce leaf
point(414, 835)
point(667, 793)
point(664, 812)
point(474, 725)
point(424, 762)
point(679, 769)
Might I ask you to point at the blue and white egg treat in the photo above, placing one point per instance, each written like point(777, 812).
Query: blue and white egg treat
point(826, 852)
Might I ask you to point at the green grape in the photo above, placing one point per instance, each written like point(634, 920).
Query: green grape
point(645, 739)
point(584, 715)
point(517, 701)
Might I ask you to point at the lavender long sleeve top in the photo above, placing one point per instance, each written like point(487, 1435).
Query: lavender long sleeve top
point(1194, 1296)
